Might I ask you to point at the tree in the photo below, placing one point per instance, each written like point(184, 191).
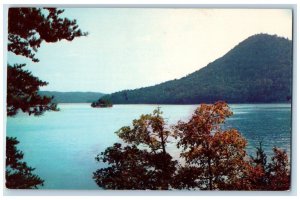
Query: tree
point(102, 103)
point(279, 171)
point(27, 29)
point(18, 174)
point(272, 176)
point(261, 157)
point(257, 170)
point(22, 92)
point(214, 158)
point(144, 163)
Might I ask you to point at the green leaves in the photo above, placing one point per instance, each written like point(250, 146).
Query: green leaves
point(149, 130)
point(144, 162)
point(132, 168)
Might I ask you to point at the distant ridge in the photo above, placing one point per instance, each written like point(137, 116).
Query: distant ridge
point(257, 70)
point(72, 97)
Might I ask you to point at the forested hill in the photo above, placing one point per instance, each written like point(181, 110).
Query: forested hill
point(259, 69)
point(72, 97)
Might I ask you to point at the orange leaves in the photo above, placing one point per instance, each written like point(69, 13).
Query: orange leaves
point(218, 154)
point(215, 159)
point(231, 137)
point(206, 120)
point(279, 171)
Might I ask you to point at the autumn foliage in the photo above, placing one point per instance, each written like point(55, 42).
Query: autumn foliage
point(143, 163)
point(211, 158)
point(215, 155)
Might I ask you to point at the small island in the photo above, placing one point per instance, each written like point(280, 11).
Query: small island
point(102, 103)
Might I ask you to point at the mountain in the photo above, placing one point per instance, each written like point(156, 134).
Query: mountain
point(73, 97)
point(257, 70)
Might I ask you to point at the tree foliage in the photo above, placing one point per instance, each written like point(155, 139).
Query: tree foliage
point(259, 69)
point(132, 168)
point(214, 158)
point(273, 176)
point(22, 92)
point(18, 174)
point(27, 29)
point(279, 171)
point(144, 163)
point(101, 103)
point(257, 170)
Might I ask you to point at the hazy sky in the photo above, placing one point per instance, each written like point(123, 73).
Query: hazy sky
point(132, 48)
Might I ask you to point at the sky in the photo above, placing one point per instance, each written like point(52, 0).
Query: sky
point(129, 48)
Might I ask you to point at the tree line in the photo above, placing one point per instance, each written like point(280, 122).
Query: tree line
point(258, 70)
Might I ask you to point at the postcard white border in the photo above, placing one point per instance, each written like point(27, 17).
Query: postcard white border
point(163, 4)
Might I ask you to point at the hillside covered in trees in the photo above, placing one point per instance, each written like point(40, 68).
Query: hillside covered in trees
point(259, 69)
point(72, 97)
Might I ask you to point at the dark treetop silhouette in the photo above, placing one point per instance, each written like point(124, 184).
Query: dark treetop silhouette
point(18, 173)
point(27, 29)
point(101, 103)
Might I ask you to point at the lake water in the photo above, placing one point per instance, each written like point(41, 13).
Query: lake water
point(62, 146)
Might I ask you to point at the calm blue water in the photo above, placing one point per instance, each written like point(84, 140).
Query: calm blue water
point(62, 145)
